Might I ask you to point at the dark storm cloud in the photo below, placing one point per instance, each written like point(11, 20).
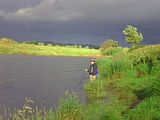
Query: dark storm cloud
point(85, 21)
point(91, 10)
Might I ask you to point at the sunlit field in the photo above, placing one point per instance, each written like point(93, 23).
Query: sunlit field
point(8, 46)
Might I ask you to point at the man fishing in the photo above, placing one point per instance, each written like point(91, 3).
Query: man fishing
point(92, 70)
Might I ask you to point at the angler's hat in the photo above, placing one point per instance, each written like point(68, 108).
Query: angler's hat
point(92, 60)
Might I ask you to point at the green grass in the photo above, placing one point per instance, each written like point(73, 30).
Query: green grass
point(133, 89)
point(128, 89)
point(14, 48)
point(149, 109)
point(113, 51)
point(99, 111)
point(95, 90)
point(68, 108)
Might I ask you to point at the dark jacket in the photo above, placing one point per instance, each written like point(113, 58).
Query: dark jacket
point(93, 69)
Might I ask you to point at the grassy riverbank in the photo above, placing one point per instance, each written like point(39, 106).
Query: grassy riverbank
point(129, 84)
point(11, 47)
point(128, 89)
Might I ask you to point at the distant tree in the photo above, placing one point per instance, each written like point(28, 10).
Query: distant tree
point(132, 36)
point(109, 44)
point(35, 42)
point(6, 40)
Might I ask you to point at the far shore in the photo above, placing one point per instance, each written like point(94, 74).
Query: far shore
point(11, 47)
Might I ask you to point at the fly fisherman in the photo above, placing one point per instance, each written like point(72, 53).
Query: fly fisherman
point(92, 70)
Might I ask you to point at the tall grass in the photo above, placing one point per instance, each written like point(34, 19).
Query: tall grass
point(111, 51)
point(95, 90)
point(131, 80)
point(118, 67)
point(114, 66)
point(68, 108)
point(103, 66)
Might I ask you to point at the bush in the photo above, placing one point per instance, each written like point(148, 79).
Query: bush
point(135, 48)
point(42, 44)
point(145, 57)
point(7, 41)
point(34, 42)
point(112, 51)
point(142, 55)
point(108, 44)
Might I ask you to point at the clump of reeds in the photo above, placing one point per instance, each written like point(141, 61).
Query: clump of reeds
point(95, 90)
point(68, 107)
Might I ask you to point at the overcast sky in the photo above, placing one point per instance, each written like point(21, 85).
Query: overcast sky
point(79, 21)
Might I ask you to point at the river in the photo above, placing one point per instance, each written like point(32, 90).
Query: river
point(44, 79)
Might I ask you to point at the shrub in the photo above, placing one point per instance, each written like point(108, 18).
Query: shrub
point(112, 51)
point(108, 44)
point(144, 54)
point(34, 42)
point(147, 55)
point(42, 44)
point(135, 48)
point(7, 41)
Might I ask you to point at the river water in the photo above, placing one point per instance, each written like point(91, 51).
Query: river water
point(44, 79)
